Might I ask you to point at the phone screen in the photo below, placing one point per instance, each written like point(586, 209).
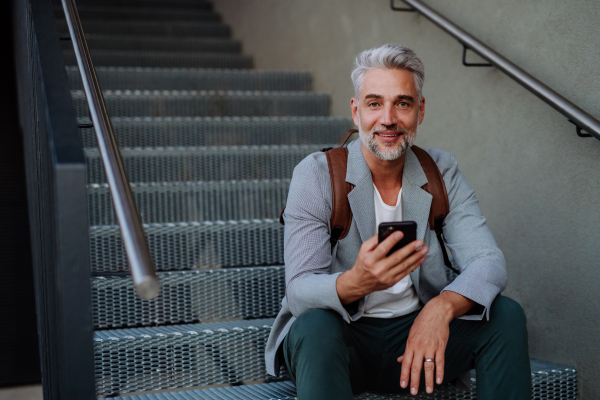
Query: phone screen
point(409, 228)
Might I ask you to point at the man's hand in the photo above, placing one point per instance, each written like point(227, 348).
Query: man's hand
point(428, 338)
point(374, 270)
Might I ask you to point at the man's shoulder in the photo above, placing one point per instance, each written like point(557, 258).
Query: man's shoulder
point(444, 159)
point(312, 167)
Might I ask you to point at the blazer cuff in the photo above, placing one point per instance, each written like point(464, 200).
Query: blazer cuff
point(474, 283)
point(319, 291)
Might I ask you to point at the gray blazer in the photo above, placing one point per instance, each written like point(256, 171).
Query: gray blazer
point(312, 266)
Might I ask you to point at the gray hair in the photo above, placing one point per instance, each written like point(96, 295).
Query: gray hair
point(388, 56)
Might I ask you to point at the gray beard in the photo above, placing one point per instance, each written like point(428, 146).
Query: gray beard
point(383, 152)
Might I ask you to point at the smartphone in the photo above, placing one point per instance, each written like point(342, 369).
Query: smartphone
point(409, 228)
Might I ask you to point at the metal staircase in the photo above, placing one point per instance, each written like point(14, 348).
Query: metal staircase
point(209, 145)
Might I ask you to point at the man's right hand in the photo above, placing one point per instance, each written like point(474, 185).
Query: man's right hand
point(374, 270)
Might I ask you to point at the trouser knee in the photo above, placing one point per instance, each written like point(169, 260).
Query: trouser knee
point(317, 333)
point(508, 320)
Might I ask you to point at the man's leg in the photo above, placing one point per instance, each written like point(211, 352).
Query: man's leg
point(497, 349)
point(318, 358)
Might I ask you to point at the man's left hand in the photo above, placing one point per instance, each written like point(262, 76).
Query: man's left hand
point(428, 338)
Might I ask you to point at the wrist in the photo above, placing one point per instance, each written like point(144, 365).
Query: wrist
point(347, 288)
point(443, 308)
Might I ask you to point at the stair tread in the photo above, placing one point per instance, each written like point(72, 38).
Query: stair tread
point(156, 78)
point(179, 28)
point(161, 58)
point(550, 382)
point(135, 44)
point(194, 245)
point(204, 163)
point(208, 103)
point(221, 326)
point(249, 292)
point(185, 4)
point(92, 12)
point(162, 202)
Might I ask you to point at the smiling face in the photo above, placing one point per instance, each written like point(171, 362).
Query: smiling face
point(387, 112)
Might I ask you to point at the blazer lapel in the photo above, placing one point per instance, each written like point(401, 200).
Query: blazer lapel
point(416, 202)
point(361, 197)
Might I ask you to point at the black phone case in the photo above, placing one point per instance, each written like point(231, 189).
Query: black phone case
point(409, 228)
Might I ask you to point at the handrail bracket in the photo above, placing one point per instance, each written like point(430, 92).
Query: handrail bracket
point(409, 9)
point(468, 64)
point(580, 132)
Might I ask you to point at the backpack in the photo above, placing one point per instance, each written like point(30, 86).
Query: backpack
point(341, 214)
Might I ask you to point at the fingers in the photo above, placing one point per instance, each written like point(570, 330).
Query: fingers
point(370, 244)
point(415, 373)
point(429, 368)
point(439, 367)
point(406, 266)
point(405, 371)
point(384, 247)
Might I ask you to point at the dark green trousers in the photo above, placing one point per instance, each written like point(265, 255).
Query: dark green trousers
point(328, 359)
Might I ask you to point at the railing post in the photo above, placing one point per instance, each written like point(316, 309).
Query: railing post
point(57, 199)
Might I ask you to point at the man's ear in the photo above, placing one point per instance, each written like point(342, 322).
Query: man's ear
point(354, 108)
point(421, 110)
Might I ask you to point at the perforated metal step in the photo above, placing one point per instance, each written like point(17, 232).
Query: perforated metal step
point(189, 4)
point(194, 245)
point(550, 382)
point(194, 201)
point(141, 13)
point(263, 391)
point(206, 354)
point(189, 297)
point(180, 28)
point(208, 103)
point(166, 59)
point(132, 78)
point(175, 164)
point(158, 43)
point(141, 359)
point(222, 131)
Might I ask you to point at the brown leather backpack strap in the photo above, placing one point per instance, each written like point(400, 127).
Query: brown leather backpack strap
point(341, 214)
point(435, 186)
point(347, 136)
point(281, 221)
point(440, 207)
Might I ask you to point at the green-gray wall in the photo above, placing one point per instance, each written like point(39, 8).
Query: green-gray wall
point(537, 182)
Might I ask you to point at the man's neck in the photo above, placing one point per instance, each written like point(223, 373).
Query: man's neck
point(387, 175)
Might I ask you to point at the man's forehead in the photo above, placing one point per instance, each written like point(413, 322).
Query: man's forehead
point(388, 82)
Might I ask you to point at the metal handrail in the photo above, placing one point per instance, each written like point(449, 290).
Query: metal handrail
point(576, 115)
point(146, 283)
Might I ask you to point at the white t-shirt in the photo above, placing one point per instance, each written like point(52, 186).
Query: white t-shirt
point(400, 299)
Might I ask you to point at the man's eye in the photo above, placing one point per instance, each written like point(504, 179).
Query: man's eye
point(403, 104)
point(373, 104)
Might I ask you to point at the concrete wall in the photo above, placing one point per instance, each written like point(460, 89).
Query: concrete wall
point(538, 183)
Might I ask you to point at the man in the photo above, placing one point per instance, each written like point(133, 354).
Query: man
point(354, 319)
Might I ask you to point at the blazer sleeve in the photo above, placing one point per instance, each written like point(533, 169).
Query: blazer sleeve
point(481, 262)
point(307, 250)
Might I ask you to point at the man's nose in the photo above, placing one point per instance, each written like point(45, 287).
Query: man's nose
point(388, 116)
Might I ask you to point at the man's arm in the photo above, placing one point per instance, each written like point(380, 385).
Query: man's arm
point(474, 250)
point(310, 282)
point(374, 270)
point(428, 338)
point(482, 278)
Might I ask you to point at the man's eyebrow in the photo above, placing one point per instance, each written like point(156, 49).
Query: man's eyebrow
point(405, 97)
point(399, 97)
